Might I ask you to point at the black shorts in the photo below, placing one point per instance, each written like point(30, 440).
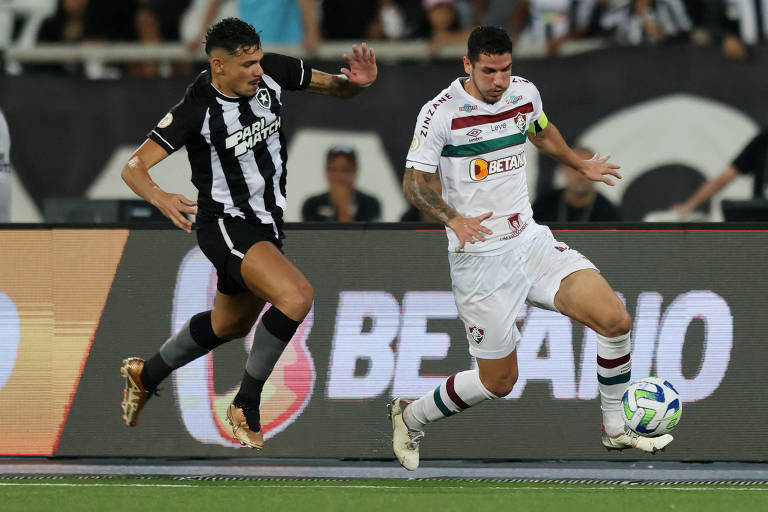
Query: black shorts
point(225, 242)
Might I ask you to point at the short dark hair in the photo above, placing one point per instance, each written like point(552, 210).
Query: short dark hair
point(488, 40)
point(342, 150)
point(232, 35)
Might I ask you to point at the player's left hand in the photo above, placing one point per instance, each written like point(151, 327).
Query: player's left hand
point(362, 66)
point(598, 168)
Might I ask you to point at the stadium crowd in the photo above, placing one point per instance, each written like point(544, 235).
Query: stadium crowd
point(733, 28)
point(732, 24)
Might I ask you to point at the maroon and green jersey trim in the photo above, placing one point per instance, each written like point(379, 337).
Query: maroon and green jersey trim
point(478, 148)
point(465, 122)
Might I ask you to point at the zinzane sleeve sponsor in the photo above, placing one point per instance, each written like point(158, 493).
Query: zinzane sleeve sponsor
point(177, 126)
point(428, 141)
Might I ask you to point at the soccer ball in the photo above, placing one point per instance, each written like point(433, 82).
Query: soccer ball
point(651, 407)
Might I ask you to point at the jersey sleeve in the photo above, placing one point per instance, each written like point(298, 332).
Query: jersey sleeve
point(538, 108)
point(290, 73)
point(753, 159)
point(427, 143)
point(177, 126)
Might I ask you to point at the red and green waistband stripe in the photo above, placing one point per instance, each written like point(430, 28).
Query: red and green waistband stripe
point(465, 122)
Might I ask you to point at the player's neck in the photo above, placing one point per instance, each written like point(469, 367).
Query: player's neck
point(469, 86)
point(226, 91)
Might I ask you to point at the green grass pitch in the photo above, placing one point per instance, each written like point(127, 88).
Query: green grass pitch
point(165, 494)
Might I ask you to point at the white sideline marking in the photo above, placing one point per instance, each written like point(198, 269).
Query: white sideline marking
point(525, 488)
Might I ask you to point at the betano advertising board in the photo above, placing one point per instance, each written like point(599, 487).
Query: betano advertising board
point(73, 303)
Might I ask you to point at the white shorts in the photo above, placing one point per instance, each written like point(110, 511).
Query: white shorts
point(490, 290)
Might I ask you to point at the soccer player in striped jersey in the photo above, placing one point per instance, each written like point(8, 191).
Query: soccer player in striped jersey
point(230, 122)
point(474, 132)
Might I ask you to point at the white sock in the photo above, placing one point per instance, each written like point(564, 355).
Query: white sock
point(457, 393)
point(613, 374)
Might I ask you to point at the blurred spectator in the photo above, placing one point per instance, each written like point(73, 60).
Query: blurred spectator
point(276, 21)
point(753, 159)
point(352, 19)
point(343, 202)
point(496, 13)
point(444, 24)
point(5, 170)
point(577, 202)
point(158, 20)
point(145, 21)
point(647, 21)
point(67, 25)
point(584, 21)
point(110, 21)
point(751, 16)
point(746, 23)
point(413, 214)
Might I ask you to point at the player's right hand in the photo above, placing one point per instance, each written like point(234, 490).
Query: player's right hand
point(174, 206)
point(470, 229)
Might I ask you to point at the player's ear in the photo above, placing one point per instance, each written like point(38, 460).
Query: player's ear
point(467, 65)
point(217, 65)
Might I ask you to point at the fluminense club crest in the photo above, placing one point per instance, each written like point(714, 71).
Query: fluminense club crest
point(477, 334)
point(520, 122)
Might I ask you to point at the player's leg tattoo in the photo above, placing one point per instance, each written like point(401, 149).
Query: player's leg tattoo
point(457, 393)
point(613, 374)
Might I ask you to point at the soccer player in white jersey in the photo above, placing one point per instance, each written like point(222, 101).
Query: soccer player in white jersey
point(474, 133)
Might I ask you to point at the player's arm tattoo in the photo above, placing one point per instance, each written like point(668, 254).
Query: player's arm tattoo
point(425, 198)
point(332, 85)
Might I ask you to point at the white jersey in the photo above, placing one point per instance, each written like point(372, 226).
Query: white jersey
point(479, 150)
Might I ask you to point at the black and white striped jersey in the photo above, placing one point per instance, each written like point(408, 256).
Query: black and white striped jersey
point(236, 146)
point(751, 16)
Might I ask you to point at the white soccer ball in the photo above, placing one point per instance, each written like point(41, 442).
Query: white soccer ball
point(651, 407)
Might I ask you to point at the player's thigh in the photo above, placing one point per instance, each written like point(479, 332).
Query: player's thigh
point(233, 316)
point(550, 263)
point(272, 277)
point(489, 292)
point(587, 297)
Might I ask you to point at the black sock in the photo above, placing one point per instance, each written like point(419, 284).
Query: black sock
point(249, 399)
point(201, 329)
point(154, 371)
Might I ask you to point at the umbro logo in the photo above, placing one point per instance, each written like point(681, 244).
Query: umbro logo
point(474, 132)
point(264, 99)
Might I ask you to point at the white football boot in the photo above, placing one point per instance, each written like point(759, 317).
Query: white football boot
point(405, 441)
point(630, 439)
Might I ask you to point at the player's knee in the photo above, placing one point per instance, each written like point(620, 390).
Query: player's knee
point(501, 385)
point(617, 323)
point(298, 300)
